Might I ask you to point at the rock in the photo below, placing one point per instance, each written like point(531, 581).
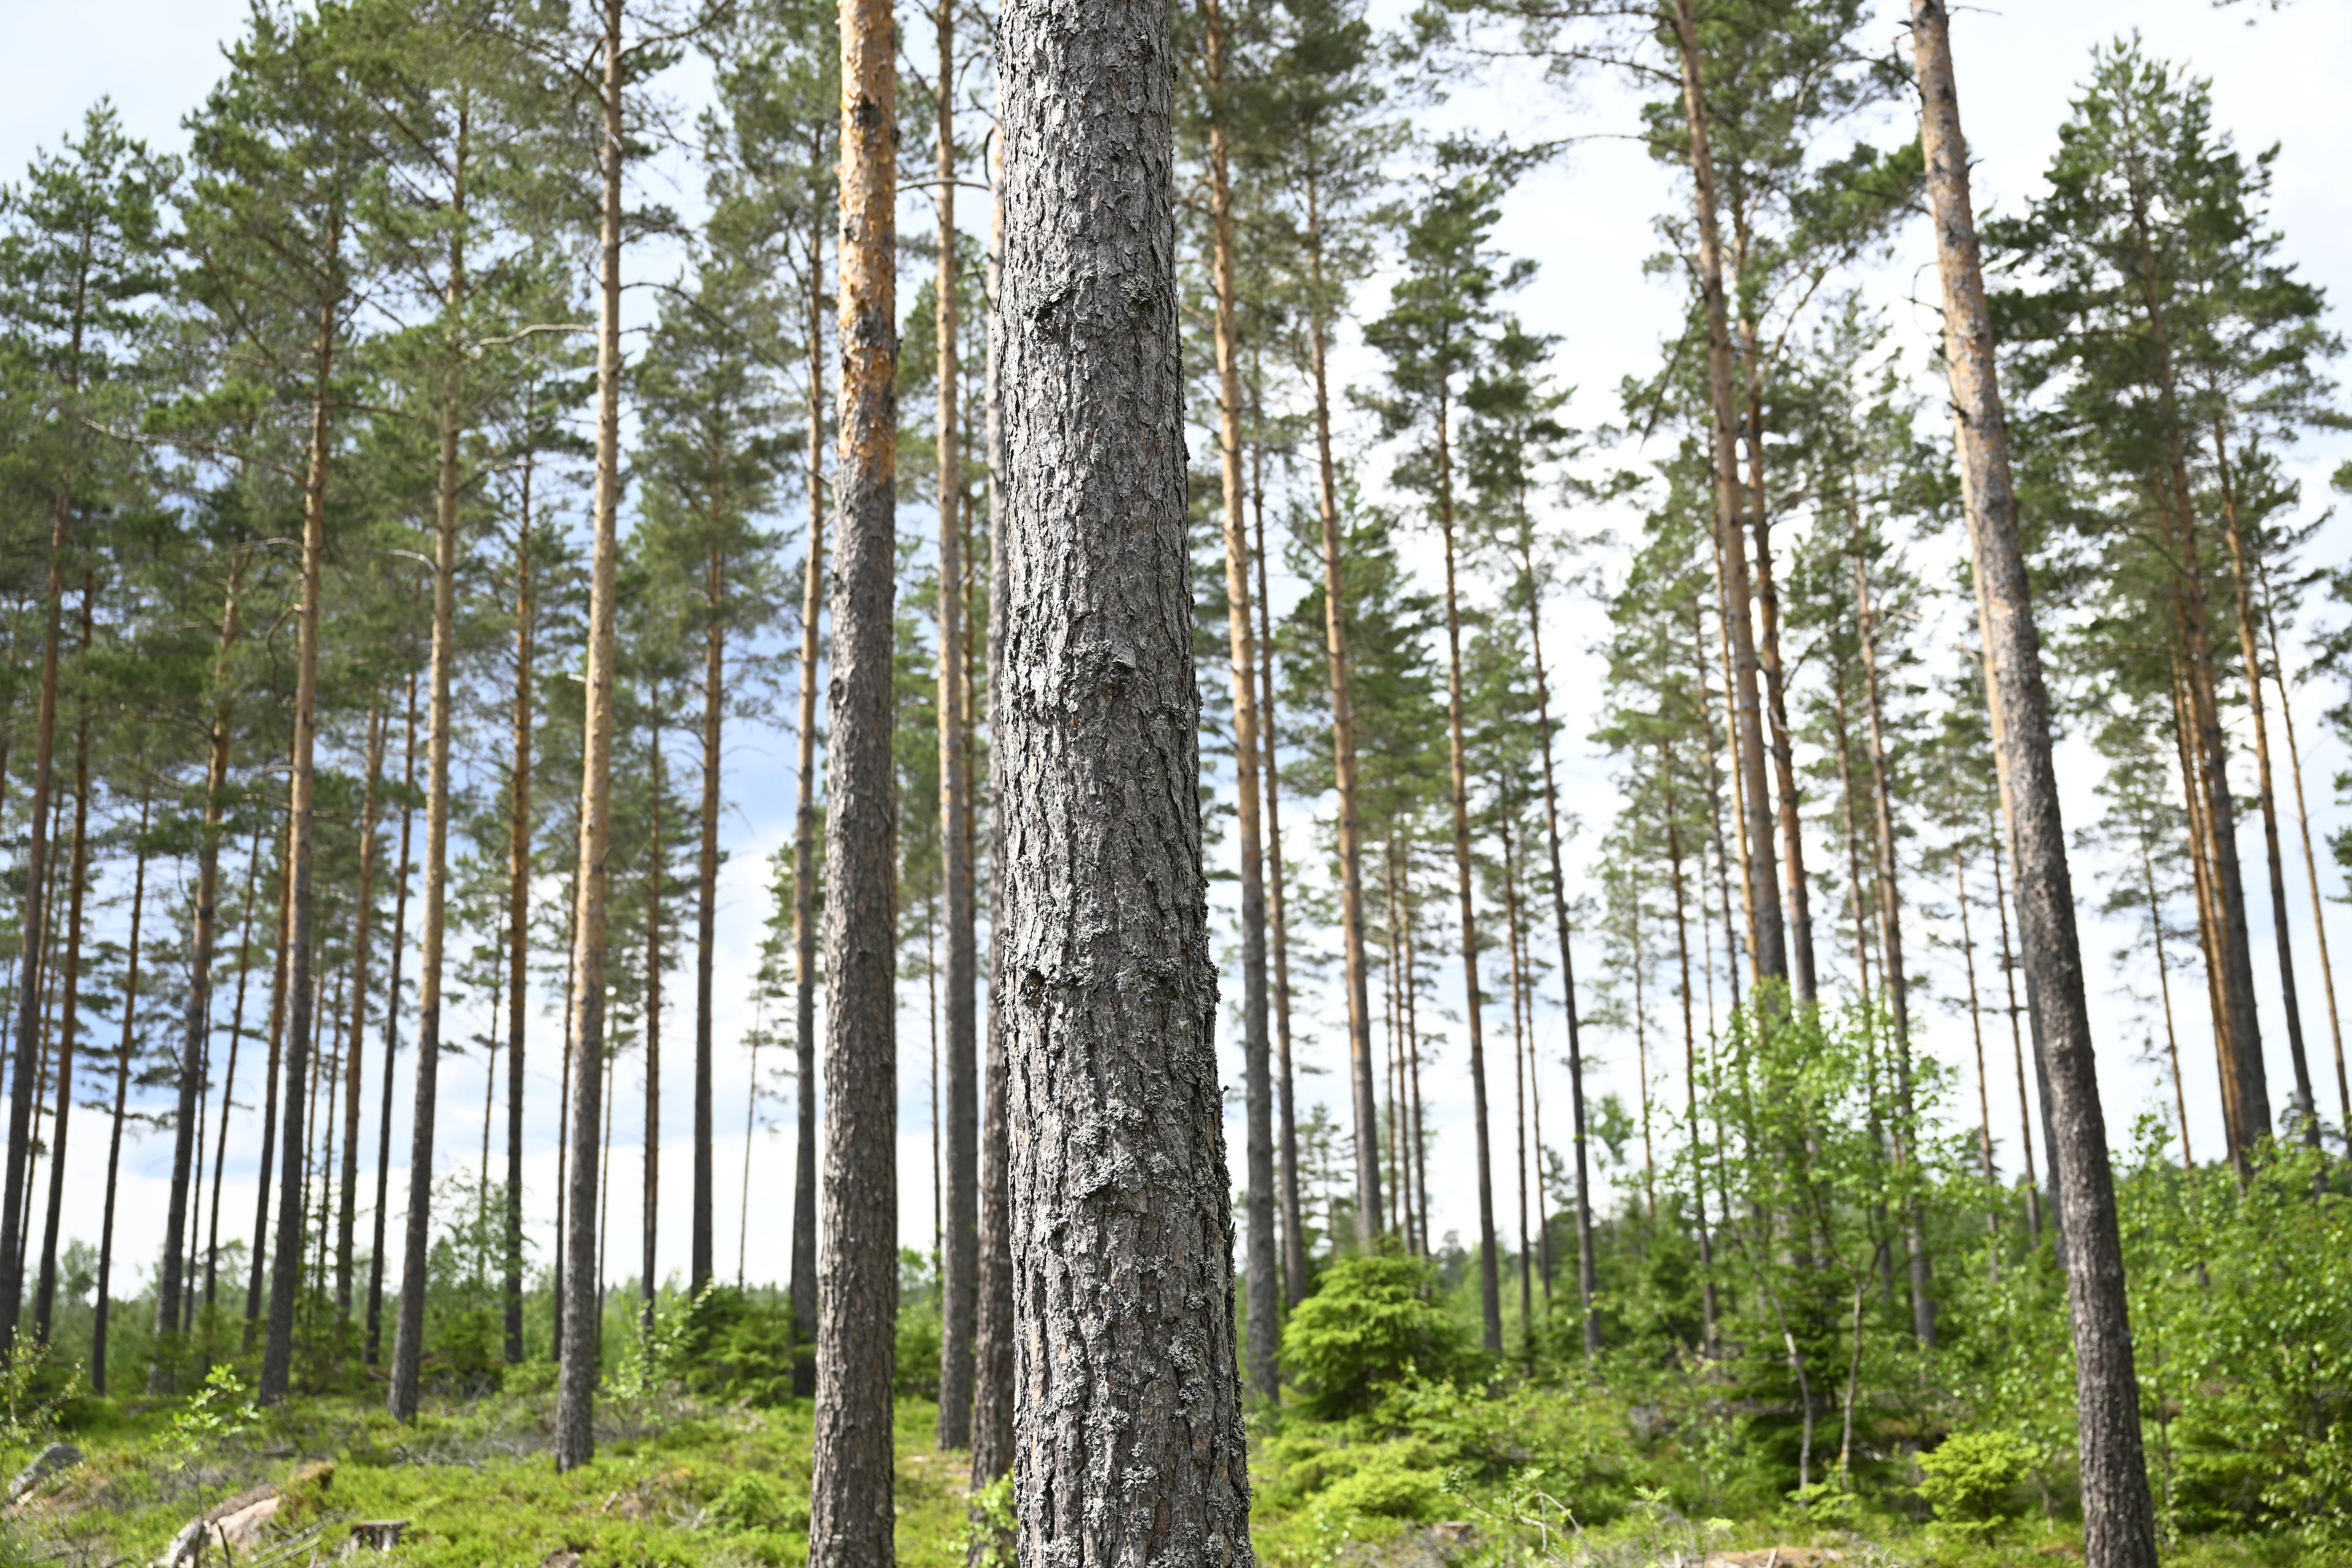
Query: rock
point(57, 1456)
point(1774, 1557)
point(373, 1535)
point(561, 1557)
point(1452, 1532)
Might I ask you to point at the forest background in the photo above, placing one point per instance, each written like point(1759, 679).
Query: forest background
point(1586, 218)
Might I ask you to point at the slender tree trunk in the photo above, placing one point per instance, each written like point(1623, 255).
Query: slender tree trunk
point(1984, 1090)
point(1690, 1048)
point(519, 868)
point(408, 1334)
point(994, 1374)
point(857, 1269)
point(2025, 1100)
point(372, 1348)
point(649, 1212)
point(1286, 1122)
point(2208, 919)
point(114, 1139)
point(1522, 1025)
point(563, 1111)
point(2119, 1521)
point(1489, 1284)
point(1768, 944)
point(68, 1010)
point(285, 1270)
point(1416, 1136)
point(701, 1248)
point(958, 1209)
point(803, 1289)
point(2164, 990)
point(1399, 1100)
point(354, 1060)
point(576, 1434)
point(228, 1079)
point(187, 1155)
point(1258, 1094)
point(278, 1008)
point(2310, 863)
point(1898, 991)
point(1129, 1408)
point(2249, 654)
point(1587, 1279)
point(1343, 749)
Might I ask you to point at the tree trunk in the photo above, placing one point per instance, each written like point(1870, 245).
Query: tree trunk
point(1257, 1094)
point(1984, 1088)
point(228, 1078)
point(372, 1347)
point(1898, 991)
point(857, 1267)
point(2249, 654)
point(278, 1000)
point(2208, 919)
point(1129, 1412)
point(649, 1212)
point(69, 1009)
point(803, 1289)
point(1522, 1025)
point(578, 1311)
point(1285, 1136)
point(2119, 1522)
point(114, 1139)
point(2025, 1098)
point(187, 1155)
point(958, 1209)
point(1490, 1295)
point(1587, 1280)
point(701, 1259)
point(1768, 944)
point(2310, 864)
point(1690, 1050)
point(286, 1271)
point(26, 1067)
point(355, 1053)
point(1343, 749)
point(519, 867)
point(2164, 990)
point(993, 1359)
point(408, 1334)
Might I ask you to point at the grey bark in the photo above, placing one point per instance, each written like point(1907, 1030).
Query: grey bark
point(1128, 1415)
point(2119, 1527)
point(851, 1484)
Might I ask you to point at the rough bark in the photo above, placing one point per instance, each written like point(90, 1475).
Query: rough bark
point(372, 1345)
point(1343, 757)
point(2119, 1529)
point(1768, 939)
point(851, 1486)
point(1129, 1408)
point(958, 1211)
point(575, 1406)
point(286, 1270)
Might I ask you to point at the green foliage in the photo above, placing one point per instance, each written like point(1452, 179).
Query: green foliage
point(1971, 1476)
point(743, 1346)
point(991, 1537)
point(35, 1386)
point(1370, 1325)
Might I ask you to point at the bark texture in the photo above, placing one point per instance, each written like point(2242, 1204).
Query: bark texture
point(1127, 1420)
point(2119, 1528)
point(857, 1269)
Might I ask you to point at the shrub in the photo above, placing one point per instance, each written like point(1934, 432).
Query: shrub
point(743, 1346)
point(1369, 1325)
point(1970, 1475)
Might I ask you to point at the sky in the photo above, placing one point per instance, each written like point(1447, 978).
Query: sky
point(1587, 221)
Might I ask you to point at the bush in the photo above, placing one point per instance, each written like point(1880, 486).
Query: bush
point(1369, 1327)
point(743, 1346)
point(1970, 1475)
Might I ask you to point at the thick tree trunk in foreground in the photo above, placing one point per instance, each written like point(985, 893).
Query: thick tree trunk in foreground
point(960, 1204)
point(1129, 1412)
point(578, 1311)
point(286, 1267)
point(851, 1484)
point(2119, 1527)
point(1768, 946)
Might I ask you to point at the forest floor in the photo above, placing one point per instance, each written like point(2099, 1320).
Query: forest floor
point(678, 1481)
